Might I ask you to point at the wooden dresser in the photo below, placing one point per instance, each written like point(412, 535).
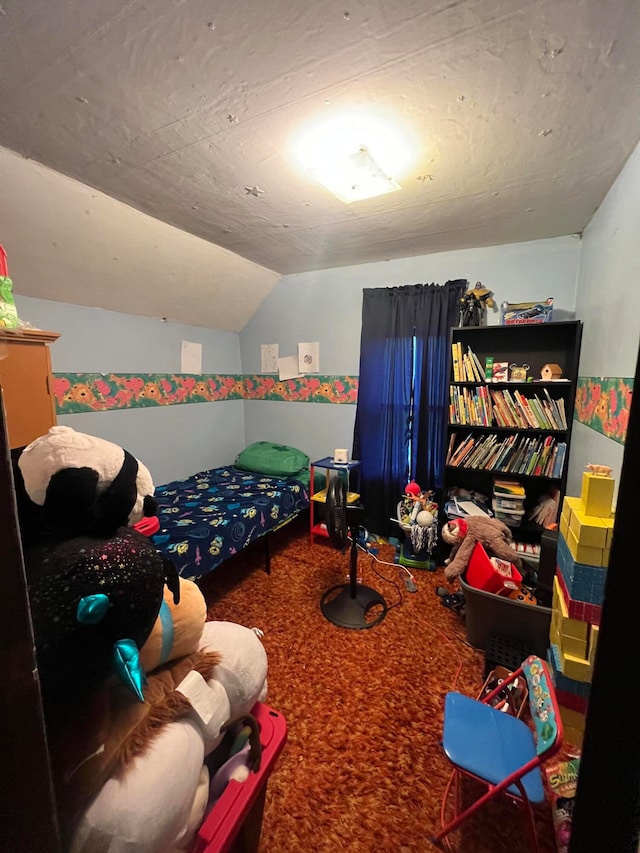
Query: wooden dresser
point(26, 379)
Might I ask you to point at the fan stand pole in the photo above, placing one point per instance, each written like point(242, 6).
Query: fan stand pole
point(347, 605)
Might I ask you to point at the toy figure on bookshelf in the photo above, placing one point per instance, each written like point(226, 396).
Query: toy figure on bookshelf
point(474, 304)
point(518, 373)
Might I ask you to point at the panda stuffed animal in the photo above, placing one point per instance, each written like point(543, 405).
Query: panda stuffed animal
point(95, 584)
point(85, 485)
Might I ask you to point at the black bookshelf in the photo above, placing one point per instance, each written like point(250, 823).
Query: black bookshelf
point(535, 345)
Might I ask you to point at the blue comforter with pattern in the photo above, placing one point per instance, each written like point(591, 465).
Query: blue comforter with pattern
point(208, 517)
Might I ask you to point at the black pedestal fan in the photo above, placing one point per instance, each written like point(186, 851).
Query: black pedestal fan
point(348, 605)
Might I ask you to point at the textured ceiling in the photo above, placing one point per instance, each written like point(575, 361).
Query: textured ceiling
point(524, 112)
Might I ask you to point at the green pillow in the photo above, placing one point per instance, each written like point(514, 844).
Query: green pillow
point(275, 460)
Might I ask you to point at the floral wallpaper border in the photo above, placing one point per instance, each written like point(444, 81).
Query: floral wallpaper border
point(101, 392)
point(602, 403)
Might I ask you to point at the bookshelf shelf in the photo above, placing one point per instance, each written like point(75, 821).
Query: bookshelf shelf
point(516, 430)
point(496, 428)
point(496, 472)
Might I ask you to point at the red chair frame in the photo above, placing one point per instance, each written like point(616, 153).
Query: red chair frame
point(499, 750)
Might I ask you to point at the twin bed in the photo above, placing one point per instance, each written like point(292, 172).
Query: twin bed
point(212, 515)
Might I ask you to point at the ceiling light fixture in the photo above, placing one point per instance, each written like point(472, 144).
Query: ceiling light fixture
point(354, 177)
point(338, 155)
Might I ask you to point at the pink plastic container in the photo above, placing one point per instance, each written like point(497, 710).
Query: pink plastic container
point(235, 821)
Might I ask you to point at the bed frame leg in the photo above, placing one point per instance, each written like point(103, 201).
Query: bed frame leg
point(267, 554)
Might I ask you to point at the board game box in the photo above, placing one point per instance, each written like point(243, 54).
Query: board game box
point(562, 777)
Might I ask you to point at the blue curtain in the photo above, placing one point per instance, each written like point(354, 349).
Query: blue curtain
point(402, 407)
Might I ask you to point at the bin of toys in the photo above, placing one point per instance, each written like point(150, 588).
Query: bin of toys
point(513, 699)
point(487, 613)
point(235, 822)
point(491, 576)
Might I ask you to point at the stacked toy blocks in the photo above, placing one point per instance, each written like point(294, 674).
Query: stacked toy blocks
point(584, 542)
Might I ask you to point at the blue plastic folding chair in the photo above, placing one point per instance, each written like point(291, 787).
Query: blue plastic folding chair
point(498, 749)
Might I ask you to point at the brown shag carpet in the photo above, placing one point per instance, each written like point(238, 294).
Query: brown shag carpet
point(362, 769)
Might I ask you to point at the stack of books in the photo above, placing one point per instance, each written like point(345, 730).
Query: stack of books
point(508, 501)
point(466, 366)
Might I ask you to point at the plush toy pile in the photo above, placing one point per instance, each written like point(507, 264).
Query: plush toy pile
point(418, 517)
point(463, 533)
point(138, 687)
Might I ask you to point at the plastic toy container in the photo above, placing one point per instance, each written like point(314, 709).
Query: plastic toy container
point(482, 574)
point(234, 823)
point(487, 613)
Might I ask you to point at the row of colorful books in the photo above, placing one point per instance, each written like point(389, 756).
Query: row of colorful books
point(488, 407)
point(470, 406)
point(514, 409)
point(539, 456)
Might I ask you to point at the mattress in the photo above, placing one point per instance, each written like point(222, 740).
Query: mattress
point(212, 515)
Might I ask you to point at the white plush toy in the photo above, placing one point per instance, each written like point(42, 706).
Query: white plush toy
point(84, 484)
point(158, 801)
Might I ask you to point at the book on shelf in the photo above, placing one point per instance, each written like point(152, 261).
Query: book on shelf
point(556, 406)
point(558, 463)
point(477, 367)
point(500, 371)
point(488, 368)
point(455, 362)
point(542, 462)
point(508, 487)
point(514, 462)
point(452, 441)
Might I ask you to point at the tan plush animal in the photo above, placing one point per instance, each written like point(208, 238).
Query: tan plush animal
point(599, 470)
point(463, 533)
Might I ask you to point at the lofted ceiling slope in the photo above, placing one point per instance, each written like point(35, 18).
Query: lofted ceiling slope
point(522, 114)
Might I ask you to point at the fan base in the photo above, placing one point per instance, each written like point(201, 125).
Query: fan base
point(349, 611)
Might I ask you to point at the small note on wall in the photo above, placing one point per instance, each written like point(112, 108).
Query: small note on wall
point(191, 358)
point(269, 358)
point(288, 368)
point(309, 358)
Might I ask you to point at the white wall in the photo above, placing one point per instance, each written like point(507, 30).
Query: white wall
point(326, 306)
point(608, 301)
point(173, 441)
